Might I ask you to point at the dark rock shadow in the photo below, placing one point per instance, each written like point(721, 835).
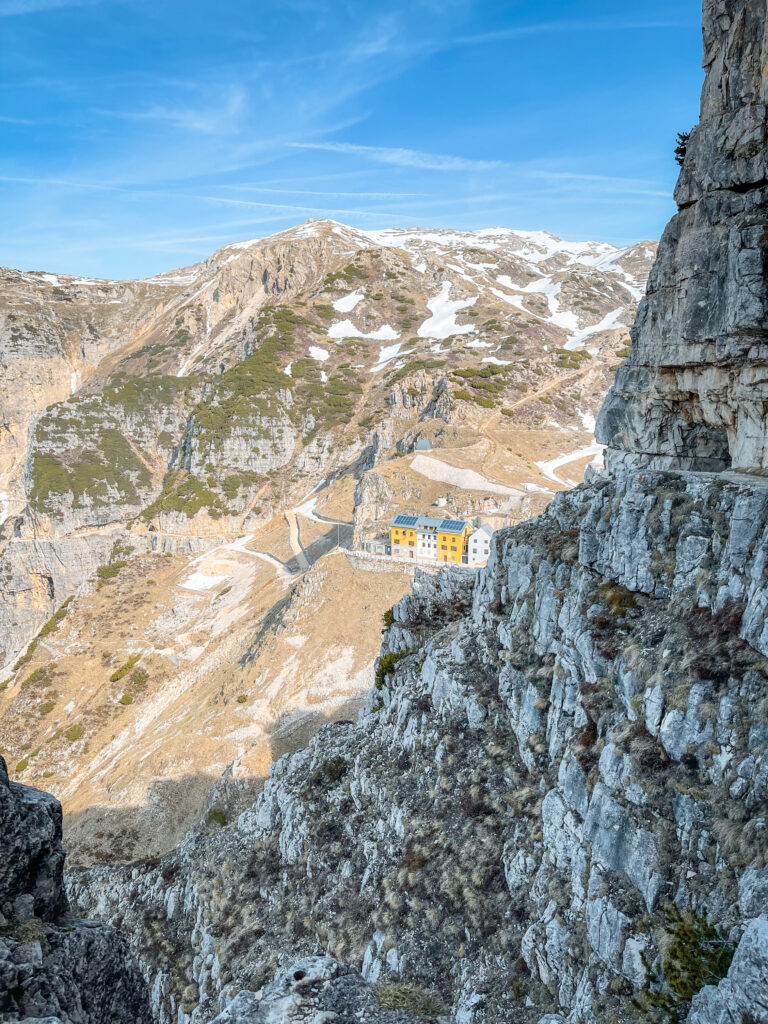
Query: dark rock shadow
point(191, 803)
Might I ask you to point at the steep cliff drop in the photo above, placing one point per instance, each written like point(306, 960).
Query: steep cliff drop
point(52, 965)
point(553, 806)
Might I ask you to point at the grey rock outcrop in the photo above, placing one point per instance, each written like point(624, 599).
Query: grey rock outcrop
point(52, 965)
point(692, 392)
point(315, 990)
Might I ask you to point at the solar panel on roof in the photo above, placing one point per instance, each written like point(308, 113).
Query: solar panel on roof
point(452, 526)
point(405, 520)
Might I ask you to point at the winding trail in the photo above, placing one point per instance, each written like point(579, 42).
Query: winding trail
point(239, 545)
point(547, 469)
point(295, 539)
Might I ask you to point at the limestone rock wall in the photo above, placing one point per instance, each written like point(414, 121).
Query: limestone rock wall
point(692, 393)
point(550, 759)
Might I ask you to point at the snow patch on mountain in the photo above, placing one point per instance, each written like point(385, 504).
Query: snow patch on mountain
point(346, 329)
point(348, 302)
point(442, 324)
point(609, 323)
point(386, 354)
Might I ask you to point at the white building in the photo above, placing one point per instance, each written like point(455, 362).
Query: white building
point(426, 537)
point(479, 545)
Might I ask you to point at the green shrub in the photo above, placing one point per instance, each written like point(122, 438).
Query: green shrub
point(241, 699)
point(413, 366)
point(110, 570)
point(74, 733)
point(26, 656)
point(507, 412)
point(126, 699)
point(124, 669)
point(184, 493)
point(139, 676)
point(22, 765)
point(462, 395)
point(386, 665)
point(35, 677)
point(216, 817)
point(695, 954)
point(388, 618)
point(571, 359)
point(106, 465)
point(53, 623)
point(46, 707)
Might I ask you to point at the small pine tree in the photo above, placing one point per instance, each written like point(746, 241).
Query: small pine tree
point(695, 954)
point(681, 147)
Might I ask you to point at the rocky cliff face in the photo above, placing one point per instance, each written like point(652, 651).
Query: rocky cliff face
point(553, 806)
point(692, 393)
point(536, 781)
point(53, 965)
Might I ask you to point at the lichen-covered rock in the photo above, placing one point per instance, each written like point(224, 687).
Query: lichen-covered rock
point(508, 822)
point(318, 990)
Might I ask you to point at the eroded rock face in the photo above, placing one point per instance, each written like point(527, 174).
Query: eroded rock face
point(692, 393)
point(315, 990)
point(51, 964)
point(551, 757)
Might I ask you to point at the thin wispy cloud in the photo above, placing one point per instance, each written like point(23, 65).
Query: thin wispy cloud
point(570, 26)
point(335, 195)
point(11, 7)
point(214, 119)
point(512, 114)
point(403, 157)
point(6, 119)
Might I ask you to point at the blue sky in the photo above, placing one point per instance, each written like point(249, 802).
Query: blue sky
point(139, 135)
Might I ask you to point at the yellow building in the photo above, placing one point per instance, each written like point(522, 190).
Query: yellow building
point(439, 540)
